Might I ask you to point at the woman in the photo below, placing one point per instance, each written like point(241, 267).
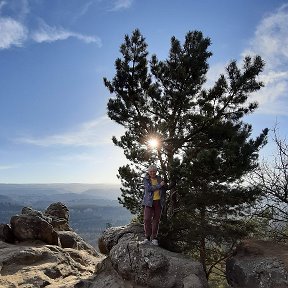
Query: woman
point(153, 202)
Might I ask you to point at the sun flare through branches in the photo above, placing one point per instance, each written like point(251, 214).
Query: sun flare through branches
point(153, 143)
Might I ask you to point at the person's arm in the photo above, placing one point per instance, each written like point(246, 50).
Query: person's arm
point(149, 187)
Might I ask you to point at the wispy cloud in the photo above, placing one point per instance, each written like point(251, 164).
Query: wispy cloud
point(90, 134)
point(12, 33)
point(85, 9)
point(121, 4)
point(12, 30)
point(48, 33)
point(271, 43)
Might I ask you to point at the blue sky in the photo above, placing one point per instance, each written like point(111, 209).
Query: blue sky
point(54, 55)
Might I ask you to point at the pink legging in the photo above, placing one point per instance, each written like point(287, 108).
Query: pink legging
point(151, 219)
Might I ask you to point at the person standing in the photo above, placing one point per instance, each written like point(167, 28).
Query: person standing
point(153, 202)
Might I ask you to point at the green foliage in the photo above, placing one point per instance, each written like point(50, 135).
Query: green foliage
point(131, 192)
point(205, 149)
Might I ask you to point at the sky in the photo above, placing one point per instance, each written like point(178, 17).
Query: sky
point(54, 54)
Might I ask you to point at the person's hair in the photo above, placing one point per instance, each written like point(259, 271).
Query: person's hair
point(152, 167)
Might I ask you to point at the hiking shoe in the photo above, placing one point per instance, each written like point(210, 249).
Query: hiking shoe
point(155, 242)
point(145, 241)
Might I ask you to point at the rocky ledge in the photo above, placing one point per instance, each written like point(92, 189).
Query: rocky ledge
point(144, 265)
point(33, 264)
point(41, 250)
point(254, 264)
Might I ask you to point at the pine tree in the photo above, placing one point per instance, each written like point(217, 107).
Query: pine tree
point(204, 147)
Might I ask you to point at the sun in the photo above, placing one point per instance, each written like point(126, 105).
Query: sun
point(153, 143)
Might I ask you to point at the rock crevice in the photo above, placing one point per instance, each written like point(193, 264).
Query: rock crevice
point(148, 265)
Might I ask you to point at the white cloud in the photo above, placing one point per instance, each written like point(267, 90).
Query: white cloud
point(121, 4)
point(271, 43)
point(90, 134)
point(12, 33)
point(48, 33)
point(270, 40)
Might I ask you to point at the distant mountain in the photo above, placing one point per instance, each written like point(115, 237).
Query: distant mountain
point(62, 187)
point(42, 195)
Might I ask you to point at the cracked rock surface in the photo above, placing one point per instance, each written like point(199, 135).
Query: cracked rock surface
point(147, 265)
point(34, 264)
point(258, 263)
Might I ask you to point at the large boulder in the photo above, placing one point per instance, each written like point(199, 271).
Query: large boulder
point(34, 225)
point(58, 210)
point(70, 239)
point(112, 236)
point(107, 276)
point(258, 263)
point(147, 265)
point(27, 227)
point(59, 215)
point(51, 227)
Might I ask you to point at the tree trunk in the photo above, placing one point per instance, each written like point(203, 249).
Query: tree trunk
point(202, 241)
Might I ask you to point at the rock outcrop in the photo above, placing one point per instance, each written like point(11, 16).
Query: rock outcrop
point(59, 215)
point(51, 227)
point(70, 239)
point(29, 227)
point(35, 252)
point(43, 255)
point(33, 265)
point(144, 265)
point(35, 225)
point(258, 263)
point(39, 249)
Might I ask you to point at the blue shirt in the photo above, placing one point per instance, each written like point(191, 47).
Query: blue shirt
point(149, 191)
